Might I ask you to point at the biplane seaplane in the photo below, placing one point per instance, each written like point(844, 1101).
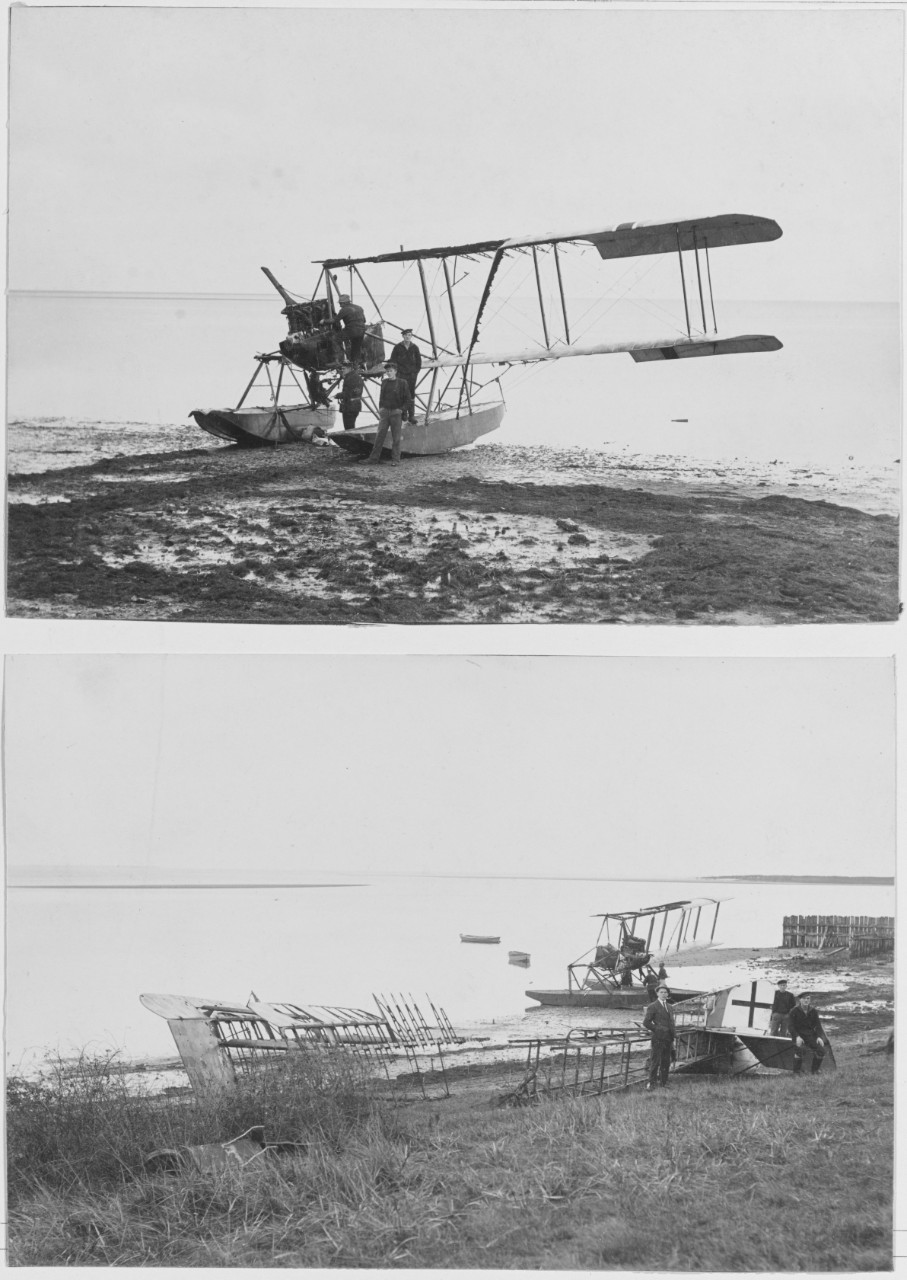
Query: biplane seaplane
point(621, 969)
point(462, 291)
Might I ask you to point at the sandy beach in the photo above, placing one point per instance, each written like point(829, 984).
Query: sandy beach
point(132, 521)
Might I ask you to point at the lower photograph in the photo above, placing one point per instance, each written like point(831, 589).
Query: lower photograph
point(504, 963)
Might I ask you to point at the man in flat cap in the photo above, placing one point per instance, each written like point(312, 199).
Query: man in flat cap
point(806, 1029)
point(353, 320)
point(393, 403)
point(782, 1003)
point(408, 359)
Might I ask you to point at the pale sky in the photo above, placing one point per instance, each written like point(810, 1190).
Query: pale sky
point(451, 765)
point(170, 149)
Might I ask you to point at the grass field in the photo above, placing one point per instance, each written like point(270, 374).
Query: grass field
point(756, 1173)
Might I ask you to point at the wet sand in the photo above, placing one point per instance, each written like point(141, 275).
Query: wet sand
point(495, 533)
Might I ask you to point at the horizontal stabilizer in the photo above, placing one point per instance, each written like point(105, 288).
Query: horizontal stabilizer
point(708, 347)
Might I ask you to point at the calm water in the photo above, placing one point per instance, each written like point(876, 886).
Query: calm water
point(78, 959)
point(831, 396)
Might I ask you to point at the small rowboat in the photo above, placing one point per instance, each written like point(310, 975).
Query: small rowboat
point(478, 937)
point(519, 958)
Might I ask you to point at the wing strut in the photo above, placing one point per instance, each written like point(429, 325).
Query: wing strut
point(708, 271)
point(450, 298)
point(683, 284)
point(538, 285)
point(368, 291)
point(492, 271)
point(699, 282)
point(560, 285)
point(431, 334)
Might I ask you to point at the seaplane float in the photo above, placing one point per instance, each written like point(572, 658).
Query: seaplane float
point(619, 971)
point(464, 290)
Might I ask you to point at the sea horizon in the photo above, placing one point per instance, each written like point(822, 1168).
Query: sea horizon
point(153, 357)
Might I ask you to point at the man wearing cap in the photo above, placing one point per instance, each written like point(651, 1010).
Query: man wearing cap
point(393, 402)
point(806, 1029)
point(350, 397)
point(408, 359)
point(782, 1004)
point(353, 320)
point(659, 1022)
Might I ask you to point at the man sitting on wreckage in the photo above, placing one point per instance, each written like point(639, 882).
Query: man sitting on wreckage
point(806, 1029)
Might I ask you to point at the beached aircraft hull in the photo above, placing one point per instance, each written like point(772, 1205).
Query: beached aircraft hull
point(253, 428)
point(444, 431)
point(629, 998)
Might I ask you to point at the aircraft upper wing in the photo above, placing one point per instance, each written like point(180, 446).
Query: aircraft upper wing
point(636, 239)
point(624, 240)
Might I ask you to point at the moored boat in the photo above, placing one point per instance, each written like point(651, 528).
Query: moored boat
point(487, 938)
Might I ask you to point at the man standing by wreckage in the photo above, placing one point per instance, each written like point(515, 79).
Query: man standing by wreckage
point(806, 1029)
point(408, 359)
point(353, 320)
point(782, 1003)
point(393, 402)
point(659, 1022)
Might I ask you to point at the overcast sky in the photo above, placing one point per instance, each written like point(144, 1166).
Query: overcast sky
point(442, 765)
point(179, 149)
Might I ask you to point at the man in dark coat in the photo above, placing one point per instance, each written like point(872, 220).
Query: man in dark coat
point(393, 402)
point(408, 359)
point(353, 320)
point(806, 1029)
point(350, 397)
point(782, 1004)
point(659, 1022)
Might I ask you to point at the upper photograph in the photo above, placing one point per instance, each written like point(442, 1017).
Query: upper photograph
point(454, 316)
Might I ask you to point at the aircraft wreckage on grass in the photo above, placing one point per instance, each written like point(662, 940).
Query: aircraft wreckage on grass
point(399, 1049)
point(458, 395)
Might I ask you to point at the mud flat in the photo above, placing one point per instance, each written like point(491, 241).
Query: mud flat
point(492, 534)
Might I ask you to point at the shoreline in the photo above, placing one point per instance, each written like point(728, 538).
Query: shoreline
point(858, 995)
point(495, 533)
point(38, 446)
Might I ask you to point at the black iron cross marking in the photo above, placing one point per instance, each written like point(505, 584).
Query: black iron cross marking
point(752, 1004)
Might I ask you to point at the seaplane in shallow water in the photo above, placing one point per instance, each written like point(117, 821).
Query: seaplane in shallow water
point(462, 291)
point(632, 948)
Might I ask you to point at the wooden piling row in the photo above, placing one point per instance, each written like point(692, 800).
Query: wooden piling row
point(864, 935)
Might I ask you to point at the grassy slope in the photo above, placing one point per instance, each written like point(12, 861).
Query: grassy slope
point(754, 1173)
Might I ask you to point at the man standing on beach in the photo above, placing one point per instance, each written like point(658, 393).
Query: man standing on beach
point(806, 1029)
point(350, 397)
point(659, 1022)
point(782, 1004)
point(393, 402)
point(408, 359)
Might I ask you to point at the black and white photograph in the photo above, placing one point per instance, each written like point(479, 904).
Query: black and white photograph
point(465, 315)
point(495, 963)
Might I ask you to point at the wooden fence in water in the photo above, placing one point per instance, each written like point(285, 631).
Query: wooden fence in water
point(865, 935)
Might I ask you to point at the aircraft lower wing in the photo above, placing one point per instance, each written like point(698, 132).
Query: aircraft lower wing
point(708, 347)
point(675, 348)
